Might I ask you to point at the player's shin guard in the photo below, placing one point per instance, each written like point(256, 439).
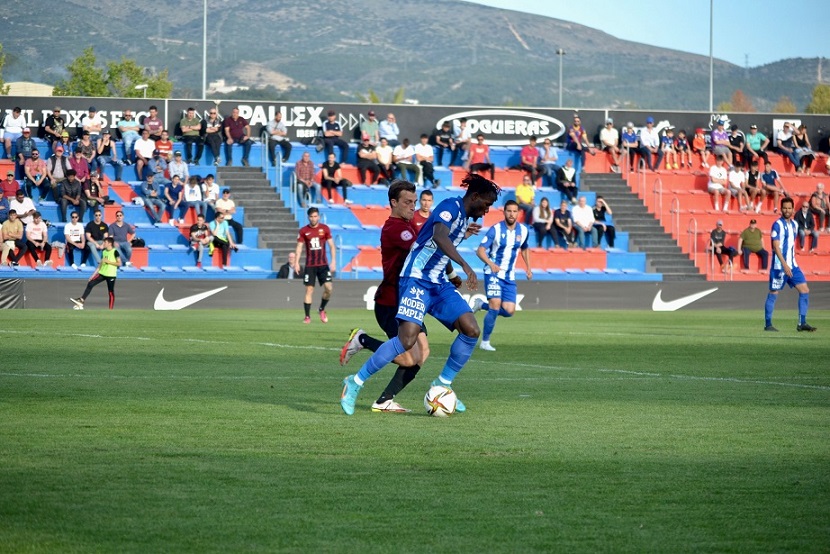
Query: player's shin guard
point(489, 323)
point(460, 351)
point(385, 354)
point(803, 304)
point(769, 306)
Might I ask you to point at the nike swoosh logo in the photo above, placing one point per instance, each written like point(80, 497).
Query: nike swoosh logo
point(182, 303)
point(660, 305)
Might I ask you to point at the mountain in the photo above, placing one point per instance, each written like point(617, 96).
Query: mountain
point(438, 51)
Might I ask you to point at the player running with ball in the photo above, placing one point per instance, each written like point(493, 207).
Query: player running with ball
point(424, 288)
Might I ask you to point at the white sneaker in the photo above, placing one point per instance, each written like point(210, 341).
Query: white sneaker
point(83, 265)
point(173, 222)
point(47, 262)
point(389, 406)
point(485, 345)
point(129, 264)
point(758, 208)
point(74, 266)
point(348, 202)
point(478, 305)
point(79, 304)
point(39, 263)
point(352, 346)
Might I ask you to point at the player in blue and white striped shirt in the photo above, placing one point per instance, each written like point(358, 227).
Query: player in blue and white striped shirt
point(785, 270)
point(424, 288)
point(498, 250)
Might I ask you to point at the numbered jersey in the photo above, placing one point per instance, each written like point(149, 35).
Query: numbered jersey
point(314, 239)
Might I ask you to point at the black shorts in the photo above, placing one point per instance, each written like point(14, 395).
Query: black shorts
point(320, 272)
point(386, 317)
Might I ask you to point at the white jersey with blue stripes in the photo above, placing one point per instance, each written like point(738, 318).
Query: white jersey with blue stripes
point(785, 231)
point(503, 245)
point(425, 260)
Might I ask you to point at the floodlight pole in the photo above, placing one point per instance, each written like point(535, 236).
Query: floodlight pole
point(204, 50)
point(711, 57)
point(561, 53)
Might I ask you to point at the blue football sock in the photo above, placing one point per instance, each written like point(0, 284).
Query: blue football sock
point(489, 323)
point(769, 306)
point(387, 352)
point(803, 303)
point(460, 351)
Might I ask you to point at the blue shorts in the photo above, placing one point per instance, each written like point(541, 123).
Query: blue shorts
point(495, 287)
point(777, 279)
point(440, 300)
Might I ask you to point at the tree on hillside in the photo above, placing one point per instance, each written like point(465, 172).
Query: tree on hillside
point(373, 98)
point(739, 102)
point(123, 76)
point(819, 103)
point(4, 88)
point(784, 105)
point(85, 79)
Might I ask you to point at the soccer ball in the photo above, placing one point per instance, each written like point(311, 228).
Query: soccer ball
point(440, 401)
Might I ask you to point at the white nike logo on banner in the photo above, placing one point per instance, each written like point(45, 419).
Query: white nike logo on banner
point(162, 305)
point(660, 305)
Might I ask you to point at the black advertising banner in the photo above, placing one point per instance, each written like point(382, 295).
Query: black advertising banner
point(11, 294)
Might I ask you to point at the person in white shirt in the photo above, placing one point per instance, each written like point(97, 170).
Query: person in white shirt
point(75, 237)
point(737, 187)
point(550, 163)
point(193, 196)
point(37, 240)
point(384, 159)
point(424, 156)
point(389, 130)
point(24, 207)
point(210, 191)
point(785, 144)
point(178, 167)
point(143, 148)
point(583, 217)
point(402, 156)
point(462, 137)
point(13, 124)
point(94, 124)
point(650, 145)
point(717, 184)
point(610, 139)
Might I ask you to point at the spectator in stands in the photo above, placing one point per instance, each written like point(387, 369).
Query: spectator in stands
point(174, 194)
point(717, 242)
point(442, 140)
point(24, 207)
point(153, 123)
point(4, 210)
point(681, 148)
point(153, 197)
point(609, 138)
point(752, 242)
point(529, 156)
point(56, 168)
point(806, 225)
point(68, 145)
point(525, 197)
point(479, 157)
point(278, 135)
point(191, 128)
point(94, 195)
point(755, 186)
point(121, 231)
point(144, 150)
point(786, 146)
point(13, 124)
point(756, 144)
point(803, 150)
point(650, 145)
point(210, 191)
point(130, 131)
point(367, 160)
point(773, 185)
point(108, 156)
point(549, 160)
point(602, 226)
point(630, 144)
point(461, 138)
point(213, 133)
point(200, 238)
point(820, 207)
point(89, 152)
point(93, 124)
point(700, 148)
point(737, 146)
point(37, 240)
point(387, 170)
point(370, 126)
point(96, 231)
point(332, 178)
point(718, 180)
point(583, 217)
point(543, 222)
point(36, 176)
point(563, 225)
point(424, 156)
point(389, 130)
point(736, 181)
point(12, 233)
point(578, 143)
point(54, 125)
point(403, 155)
point(72, 194)
point(178, 167)
point(425, 201)
point(332, 136)
point(25, 145)
point(290, 269)
point(566, 181)
point(165, 146)
point(227, 207)
point(719, 138)
point(221, 237)
point(304, 173)
point(9, 185)
point(193, 196)
point(75, 237)
point(158, 167)
point(237, 131)
point(667, 148)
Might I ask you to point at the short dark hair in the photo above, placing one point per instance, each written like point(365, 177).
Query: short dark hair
point(511, 203)
point(397, 187)
point(426, 192)
point(424, 135)
point(109, 240)
point(312, 211)
point(787, 200)
point(71, 172)
point(152, 108)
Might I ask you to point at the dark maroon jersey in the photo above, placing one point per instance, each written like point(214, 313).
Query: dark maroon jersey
point(396, 238)
point(314, 239)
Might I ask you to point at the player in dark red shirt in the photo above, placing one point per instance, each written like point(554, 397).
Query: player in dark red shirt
point(423, 212)
point(396, 238)
point(314, 238)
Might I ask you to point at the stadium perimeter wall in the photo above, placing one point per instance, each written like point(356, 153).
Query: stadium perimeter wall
point(282, 294)
point(501, 126)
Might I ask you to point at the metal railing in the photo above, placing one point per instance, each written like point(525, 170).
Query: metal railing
point(674, 216)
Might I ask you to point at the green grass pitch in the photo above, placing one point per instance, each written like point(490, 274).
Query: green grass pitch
point(209, 431)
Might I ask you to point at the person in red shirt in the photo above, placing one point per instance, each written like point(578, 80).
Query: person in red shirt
point(237, 131)
point(480, 157)
point(421, 216)
point(314, 237)
point(396, 238)
point(165, 146)
point(530, 160)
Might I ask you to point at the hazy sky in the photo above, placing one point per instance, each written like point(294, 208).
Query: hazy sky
point(765, 30)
